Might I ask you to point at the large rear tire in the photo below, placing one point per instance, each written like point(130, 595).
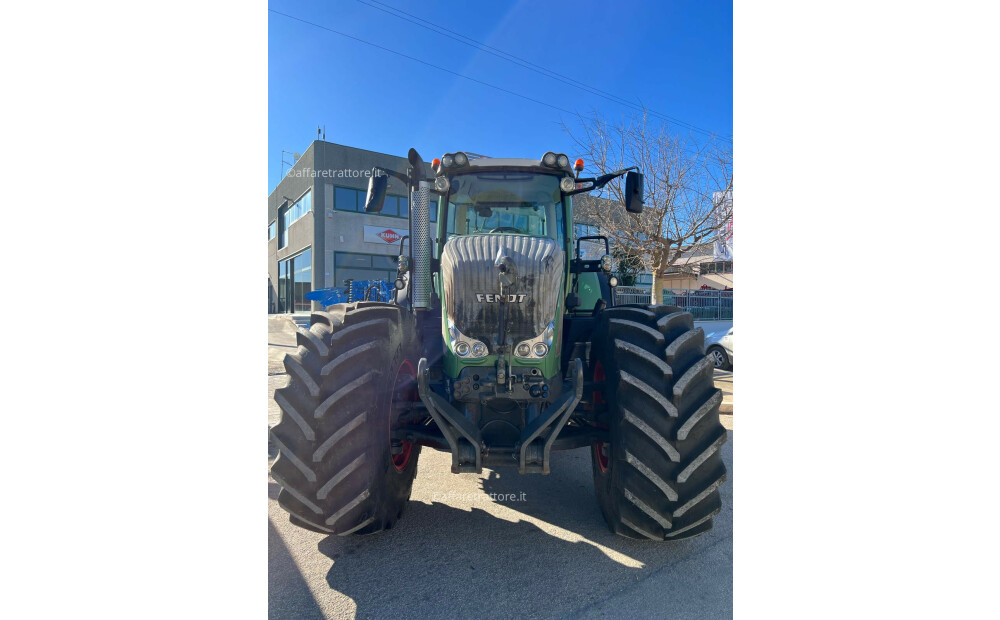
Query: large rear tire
point(335, 466)
point(658, 478)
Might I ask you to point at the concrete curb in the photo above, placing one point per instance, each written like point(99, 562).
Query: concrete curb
point(726, 408)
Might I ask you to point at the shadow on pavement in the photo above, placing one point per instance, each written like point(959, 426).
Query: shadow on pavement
point(550, 554)
point(288, 596)
point(442, 560)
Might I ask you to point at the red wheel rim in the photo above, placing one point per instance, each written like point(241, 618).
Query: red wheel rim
point(599, 455)
point(403, 389)
point(602, 458)
point(599, 376)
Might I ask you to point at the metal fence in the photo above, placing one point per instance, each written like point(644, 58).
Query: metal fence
point(702, 303)
point(632, 295)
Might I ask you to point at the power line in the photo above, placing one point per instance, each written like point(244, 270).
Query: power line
point(439, 68)
point(527, 64)
point(423, 62)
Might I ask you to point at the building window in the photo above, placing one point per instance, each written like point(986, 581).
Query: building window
point(299, 208)
point(301, 280)
point(272, 230)
point(391, 206)
point(347, 199)
point(352, 266)
point(282, 227)
point(717, 267)
point(294, 281)
point(283, 286)
point(291, 214)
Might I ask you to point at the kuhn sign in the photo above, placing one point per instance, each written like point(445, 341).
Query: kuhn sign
point(384, 236)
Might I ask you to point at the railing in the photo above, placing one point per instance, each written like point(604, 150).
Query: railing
point(632, 295)
point(702, 303)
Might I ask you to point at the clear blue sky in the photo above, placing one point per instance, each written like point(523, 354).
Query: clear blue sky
point(674, 57)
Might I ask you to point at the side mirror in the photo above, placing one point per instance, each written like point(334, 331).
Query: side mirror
point(633, 192)
point(378, 185)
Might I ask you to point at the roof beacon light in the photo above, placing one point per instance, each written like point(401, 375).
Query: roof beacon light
point(578, 166)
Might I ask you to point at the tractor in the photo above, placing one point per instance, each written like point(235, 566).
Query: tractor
point(501, 344)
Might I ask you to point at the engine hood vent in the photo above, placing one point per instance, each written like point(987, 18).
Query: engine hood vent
point(482, 272)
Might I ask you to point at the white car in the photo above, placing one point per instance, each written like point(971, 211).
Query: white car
point(719, 346)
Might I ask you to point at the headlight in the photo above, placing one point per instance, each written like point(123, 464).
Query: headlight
point(537, 346)
point(464, 346)
point(448, 161)
point(549, 159)
point(606, 262)
point(612, 281)
point(461, 159)
point(568, 184)
point(441, 184)
point(562, 161)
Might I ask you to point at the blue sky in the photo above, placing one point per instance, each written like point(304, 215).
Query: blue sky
point(674, 57)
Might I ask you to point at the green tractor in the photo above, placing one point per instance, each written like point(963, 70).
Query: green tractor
point(502, 344)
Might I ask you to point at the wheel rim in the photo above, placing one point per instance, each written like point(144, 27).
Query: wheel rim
point(717, 356)
point(601, 455)
point(403, 390)
point(599, 376)
point(601, 449)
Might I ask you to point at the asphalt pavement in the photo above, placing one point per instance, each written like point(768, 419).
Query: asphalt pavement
point(496, 544)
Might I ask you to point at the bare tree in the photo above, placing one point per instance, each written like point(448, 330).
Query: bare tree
point(680, 213)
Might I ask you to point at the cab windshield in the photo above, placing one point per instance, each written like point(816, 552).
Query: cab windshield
point(514, 203)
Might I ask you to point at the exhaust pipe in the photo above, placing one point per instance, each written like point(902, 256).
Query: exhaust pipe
point(420, 244)
point(420, 232)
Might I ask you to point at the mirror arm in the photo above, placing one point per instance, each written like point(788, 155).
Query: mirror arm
point(399, 175)
point(601, 181)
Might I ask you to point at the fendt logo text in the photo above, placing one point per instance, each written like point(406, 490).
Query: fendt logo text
point(388, 236)
point(495, 299)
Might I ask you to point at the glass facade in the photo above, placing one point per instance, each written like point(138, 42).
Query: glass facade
point(291, 214)
point(294, 281)
point(363, 267)
point(283, 287)
point(301, 280)
point(350, 199)
point(271, 230)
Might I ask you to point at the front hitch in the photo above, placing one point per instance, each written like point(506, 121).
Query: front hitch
point(534, 448)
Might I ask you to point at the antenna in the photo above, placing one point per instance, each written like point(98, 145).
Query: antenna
point(295, 158)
